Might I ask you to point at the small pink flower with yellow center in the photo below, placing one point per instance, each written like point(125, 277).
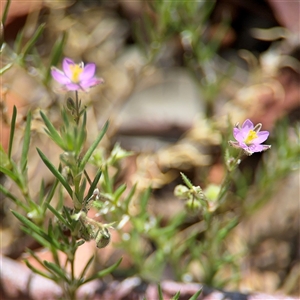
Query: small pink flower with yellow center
point(249, 138)
point(76, 76)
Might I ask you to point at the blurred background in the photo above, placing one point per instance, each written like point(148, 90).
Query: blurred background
point(178, 75)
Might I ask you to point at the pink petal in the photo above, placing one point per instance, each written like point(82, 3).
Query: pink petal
point(237, 133)
point(91, 82)
point(262, 136)
point(256, 148)
point(67, 62)
point(59, 76)
point(72, 87)
point(88, 72)
point(247, 125)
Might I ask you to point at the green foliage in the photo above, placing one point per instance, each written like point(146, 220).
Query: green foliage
point(82, 228)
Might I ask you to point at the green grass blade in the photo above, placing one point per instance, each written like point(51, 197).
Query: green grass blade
point(55, 172)
point(58, 215)
point(52, 132)
point(176, 296)
point(29, 45)
point(5, 12)
point(186, 181)
point(12, 131)
point(10, 174)
point(129, 197)
point(196, 295)
point(30, 226)
point(26, 143)
point(160, 294)
point(51, 193)
point(35, 270)
point(5, 68)
point(18, 42)
point(57, 270)
point(89, 153)
point(93, 185)
point(104, 272)
point(87, 266)
point(81, 135)
point(4, 191)
point(120, 190)
point(55, 56)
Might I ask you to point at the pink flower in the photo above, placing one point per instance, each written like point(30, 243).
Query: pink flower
point(249, 138)
point(76, 76)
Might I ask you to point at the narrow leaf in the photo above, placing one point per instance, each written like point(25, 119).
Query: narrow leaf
point(5, 68)
point(26, 142)
point(107, 181)
point(55, 56)
point(35, 270)
point(12, 131)
point(55, 172)
point(186, 181)
point(104, 272)
point(56, 269)
point(129, 197)
point(93, 147)
point(120, 190)
point(58, 215)
point(9, 173)
point(5, 13)
point(32, 253)
point(160, 294)
point(13, 198)
point(52, 132)
point(93, 185)
point(144, 199)
point(176, 296)
point(196, 295)
point(37, 237)
point(33, 40)
point(35, 229)
point(86, 267)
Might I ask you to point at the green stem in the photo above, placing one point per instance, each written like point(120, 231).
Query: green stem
point(227, 180)
point(77, 108)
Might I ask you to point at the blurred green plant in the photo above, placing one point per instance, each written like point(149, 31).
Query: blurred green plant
point(189, 23)
point(24, 51)
point(54, 235)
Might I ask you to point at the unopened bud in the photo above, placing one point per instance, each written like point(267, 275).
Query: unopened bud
point(193, 205)
point(67, 174)
point(71, 105)
point(181, 191)
point(102, 238)
point(212, 191)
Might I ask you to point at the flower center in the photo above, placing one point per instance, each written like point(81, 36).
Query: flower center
point(252, 135)
point(76, 71)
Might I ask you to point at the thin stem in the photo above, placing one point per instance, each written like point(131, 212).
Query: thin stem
point(87, 177)
point(77, 108)
point(227, 180)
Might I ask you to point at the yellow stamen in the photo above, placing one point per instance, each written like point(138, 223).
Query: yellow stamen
point(252, 135)
point(76, 71)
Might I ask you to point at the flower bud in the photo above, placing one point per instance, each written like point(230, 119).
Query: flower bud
point(67, 174)
point(212, 191)
point(193, 205)
point(181, 191)
point(102, 238)
point(71, 105)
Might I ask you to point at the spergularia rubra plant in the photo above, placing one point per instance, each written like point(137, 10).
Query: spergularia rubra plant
point(76, 77)
point(250, 138)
